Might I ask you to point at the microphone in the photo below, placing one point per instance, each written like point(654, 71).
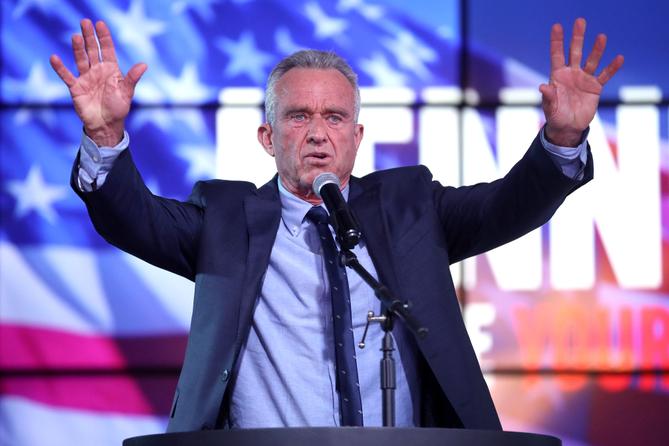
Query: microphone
point(326, 187)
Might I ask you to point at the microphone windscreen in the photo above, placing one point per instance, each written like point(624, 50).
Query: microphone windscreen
point(323, 179)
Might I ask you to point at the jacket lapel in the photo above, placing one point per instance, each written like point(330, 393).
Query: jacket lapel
point(263, 215)
point(366, 205)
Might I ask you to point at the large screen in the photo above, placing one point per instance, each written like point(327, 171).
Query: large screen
point(570, 323)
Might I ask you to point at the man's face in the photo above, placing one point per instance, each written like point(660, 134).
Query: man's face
point(314, 129)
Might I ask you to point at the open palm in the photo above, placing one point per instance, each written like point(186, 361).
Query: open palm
point(101, 94)
point(571, 97)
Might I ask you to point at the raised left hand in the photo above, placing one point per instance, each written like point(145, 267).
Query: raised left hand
point(571, 97)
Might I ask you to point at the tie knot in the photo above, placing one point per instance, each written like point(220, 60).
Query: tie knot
point(317, 215)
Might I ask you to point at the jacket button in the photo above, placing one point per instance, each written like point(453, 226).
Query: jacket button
point(225, 375)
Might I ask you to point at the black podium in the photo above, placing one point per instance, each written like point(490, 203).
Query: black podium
point(345, 436)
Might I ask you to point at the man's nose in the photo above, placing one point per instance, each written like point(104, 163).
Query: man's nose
point(317, 130)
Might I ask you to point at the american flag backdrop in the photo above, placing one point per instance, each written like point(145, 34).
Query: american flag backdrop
point(91, 339)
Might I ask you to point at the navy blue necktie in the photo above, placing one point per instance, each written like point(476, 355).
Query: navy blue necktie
point(350, 405)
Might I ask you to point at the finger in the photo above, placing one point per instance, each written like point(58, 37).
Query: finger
point(557, 47)
point(134, 75)
point(608, 72)
point(90, 42)
point(596, 55)
point(62, 71)
point(80, 57)
point(576, 46)
point(106, 42)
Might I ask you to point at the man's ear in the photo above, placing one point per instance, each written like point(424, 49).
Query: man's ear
point(265, 138)
point(357, 134)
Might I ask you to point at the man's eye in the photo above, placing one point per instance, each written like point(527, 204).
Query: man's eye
point(334, 119)
point(299, 117)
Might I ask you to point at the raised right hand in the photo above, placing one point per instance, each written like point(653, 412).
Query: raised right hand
point(101, 94)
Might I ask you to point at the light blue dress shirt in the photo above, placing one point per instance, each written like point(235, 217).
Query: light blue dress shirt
point(287, 376)
point(286, 371)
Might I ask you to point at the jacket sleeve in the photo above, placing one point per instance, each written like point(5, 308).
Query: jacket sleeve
point(484, 216)
point(161, 231)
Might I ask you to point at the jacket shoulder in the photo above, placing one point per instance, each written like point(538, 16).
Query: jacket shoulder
point(399, 174)
point(214, 190)
point(410, 184)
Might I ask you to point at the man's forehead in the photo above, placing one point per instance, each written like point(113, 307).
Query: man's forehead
point(302, 85)
point(307, 78)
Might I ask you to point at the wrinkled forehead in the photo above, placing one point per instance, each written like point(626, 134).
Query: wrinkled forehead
point(314, 86)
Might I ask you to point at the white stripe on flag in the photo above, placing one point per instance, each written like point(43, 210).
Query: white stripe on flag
point(26, 423)
point(28, 299)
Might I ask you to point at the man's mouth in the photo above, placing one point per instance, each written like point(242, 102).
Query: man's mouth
point(318, 158)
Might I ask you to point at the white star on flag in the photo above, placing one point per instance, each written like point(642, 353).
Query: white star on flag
point(370, 12)
point(284, 41)
point(245, 57)
point(410, 53)
point(203, 8)
point(325, 25)
point(37, 87)
point(26, 115)
point(185, 88)
point(134, 29)
point(34, 194)
point(165, 119)
point(383, 74)
point(201, 161)
point(148, 90)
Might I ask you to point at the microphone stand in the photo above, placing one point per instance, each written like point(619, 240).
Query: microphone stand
point(326, 186)
point(392, 307)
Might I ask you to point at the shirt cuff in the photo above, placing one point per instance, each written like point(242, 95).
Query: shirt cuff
point(570, 160)
point(95, 162)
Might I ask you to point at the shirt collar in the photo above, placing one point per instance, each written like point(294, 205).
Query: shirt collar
point(294, 209)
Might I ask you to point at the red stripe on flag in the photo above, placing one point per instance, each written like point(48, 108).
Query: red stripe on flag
point(109, 394)
point(36, 348)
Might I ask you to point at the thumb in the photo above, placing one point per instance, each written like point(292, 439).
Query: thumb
point(548, 92)
point(548, 98)
point(135, 74)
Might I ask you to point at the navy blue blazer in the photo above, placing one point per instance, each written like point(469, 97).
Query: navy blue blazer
point(413, 226)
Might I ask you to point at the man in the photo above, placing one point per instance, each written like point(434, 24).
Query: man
point(261, 350)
